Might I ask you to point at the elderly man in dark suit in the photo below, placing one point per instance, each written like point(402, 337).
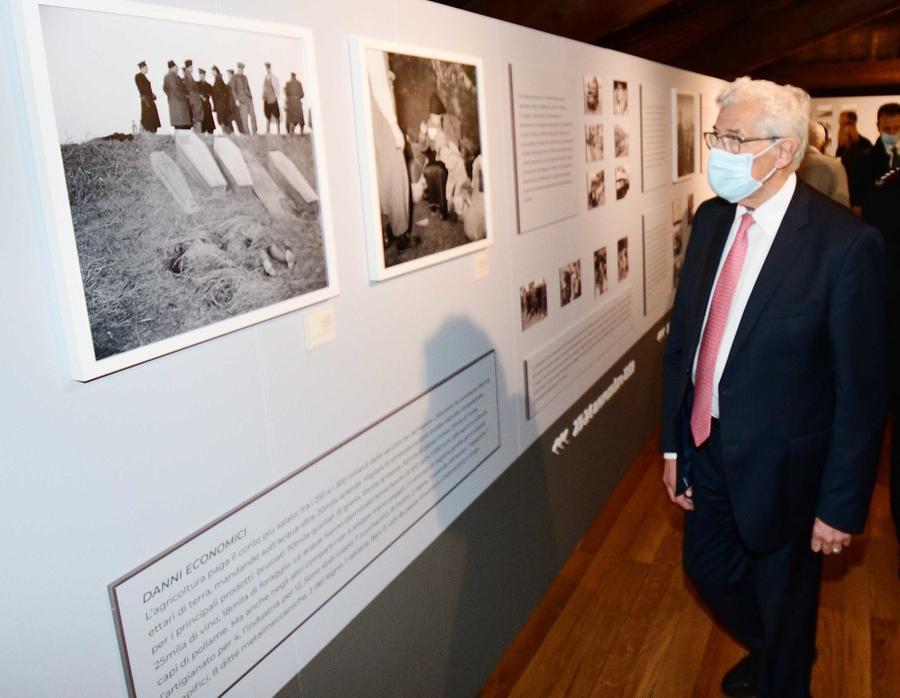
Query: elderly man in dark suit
point(774, 386)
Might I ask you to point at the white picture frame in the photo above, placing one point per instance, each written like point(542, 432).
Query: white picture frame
point(385, 258)
point(38, 68)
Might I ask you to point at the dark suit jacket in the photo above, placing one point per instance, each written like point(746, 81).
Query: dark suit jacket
point(802, 396)
point(867, 168)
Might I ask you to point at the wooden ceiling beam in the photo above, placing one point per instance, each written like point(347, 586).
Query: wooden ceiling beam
point(582, 20)
point(756, 42)
point(814, 77)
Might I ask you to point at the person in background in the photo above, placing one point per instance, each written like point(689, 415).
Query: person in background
point(195, 103)
point(881, 208)
point(293, 104)
point(205, 88)
point(774, 390)
point(221, 101)
point(244, 99)
point(179, 111)
point(234, 111)
point(271, 89)
point(821, 171)
point(883, 156)
point(851, 143)
point(149, 114)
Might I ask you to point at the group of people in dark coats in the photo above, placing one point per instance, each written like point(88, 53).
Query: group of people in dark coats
point(193, 102)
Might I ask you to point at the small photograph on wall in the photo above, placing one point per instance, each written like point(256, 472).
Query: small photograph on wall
point(601, 275)
point(569, 282)
point(620, 97)
point(621, 140)
point(422, 143)
point(596, 189)
point(593, 98)
point(593, 142)
point(685, 124)
point(623, 181)
point(186, 176)
point(533, 298)
point(623, 258)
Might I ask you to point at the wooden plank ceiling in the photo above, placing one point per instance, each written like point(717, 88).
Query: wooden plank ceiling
point(828, 48)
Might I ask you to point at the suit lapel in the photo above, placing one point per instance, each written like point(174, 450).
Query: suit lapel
point(721, 227)
point(782, 254)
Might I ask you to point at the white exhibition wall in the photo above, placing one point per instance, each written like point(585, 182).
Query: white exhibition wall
point(100, 477)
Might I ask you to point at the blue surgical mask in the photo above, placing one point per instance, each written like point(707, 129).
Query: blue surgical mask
point(889, 140)
point(731, 174)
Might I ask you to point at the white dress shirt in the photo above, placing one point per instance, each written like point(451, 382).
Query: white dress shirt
point(766, 221)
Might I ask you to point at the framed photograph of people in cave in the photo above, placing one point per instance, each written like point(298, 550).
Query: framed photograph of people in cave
point(183, 181)
point(423, 155)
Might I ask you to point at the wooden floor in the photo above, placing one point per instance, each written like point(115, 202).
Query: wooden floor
point(620, 619)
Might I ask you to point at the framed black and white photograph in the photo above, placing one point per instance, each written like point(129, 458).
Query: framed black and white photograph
point(621, 140)
point(593, 97)
point(569, 282)
point(593, 142)
point(620, 97)
point(685, 134)
point(533, 299)
point(420, 130)
point(623, 182)
point(623, 258)
point(596, 188)
point(601, 274)
point(183, 178)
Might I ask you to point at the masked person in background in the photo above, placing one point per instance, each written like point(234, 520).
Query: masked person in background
point(774, 386)
point(884, 156)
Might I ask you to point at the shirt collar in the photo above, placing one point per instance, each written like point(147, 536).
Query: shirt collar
point(770, 213)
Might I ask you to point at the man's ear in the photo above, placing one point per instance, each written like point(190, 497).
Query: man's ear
point(787, 148)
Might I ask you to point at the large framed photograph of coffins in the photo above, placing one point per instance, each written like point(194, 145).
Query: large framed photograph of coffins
point(180, 159)
point(423, 155)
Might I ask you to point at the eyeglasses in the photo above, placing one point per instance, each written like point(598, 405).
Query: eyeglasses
point(731, 144)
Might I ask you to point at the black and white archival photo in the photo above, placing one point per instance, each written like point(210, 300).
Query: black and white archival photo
point(621, 140)
point(623, 259)
point(620, 97)
point(593, 99)
point(533, 298)
point(593, 142)
point(425, 136)
point(601, 275)
point(623, 181)
point(569, 282)
point(596, 189)
point(685, 107)
point(191, 176)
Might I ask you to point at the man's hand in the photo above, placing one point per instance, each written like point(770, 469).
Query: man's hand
point(669, 475)
point(828, 540)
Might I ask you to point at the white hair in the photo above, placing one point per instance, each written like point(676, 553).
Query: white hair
point(785, 109)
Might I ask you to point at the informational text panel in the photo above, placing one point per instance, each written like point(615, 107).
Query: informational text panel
point(658, 240)
point(655, 142)
point(546, 149)
point(578, 353)
point(197, 618)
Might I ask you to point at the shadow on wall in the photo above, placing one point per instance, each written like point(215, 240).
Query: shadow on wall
point(440, 627)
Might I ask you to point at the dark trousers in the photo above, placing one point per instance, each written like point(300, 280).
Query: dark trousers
point(767, 601)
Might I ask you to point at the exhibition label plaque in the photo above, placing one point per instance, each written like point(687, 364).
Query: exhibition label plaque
point(197, 618)
point(577, 353)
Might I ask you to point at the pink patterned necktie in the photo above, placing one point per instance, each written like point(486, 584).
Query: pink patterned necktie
point(701, 413)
